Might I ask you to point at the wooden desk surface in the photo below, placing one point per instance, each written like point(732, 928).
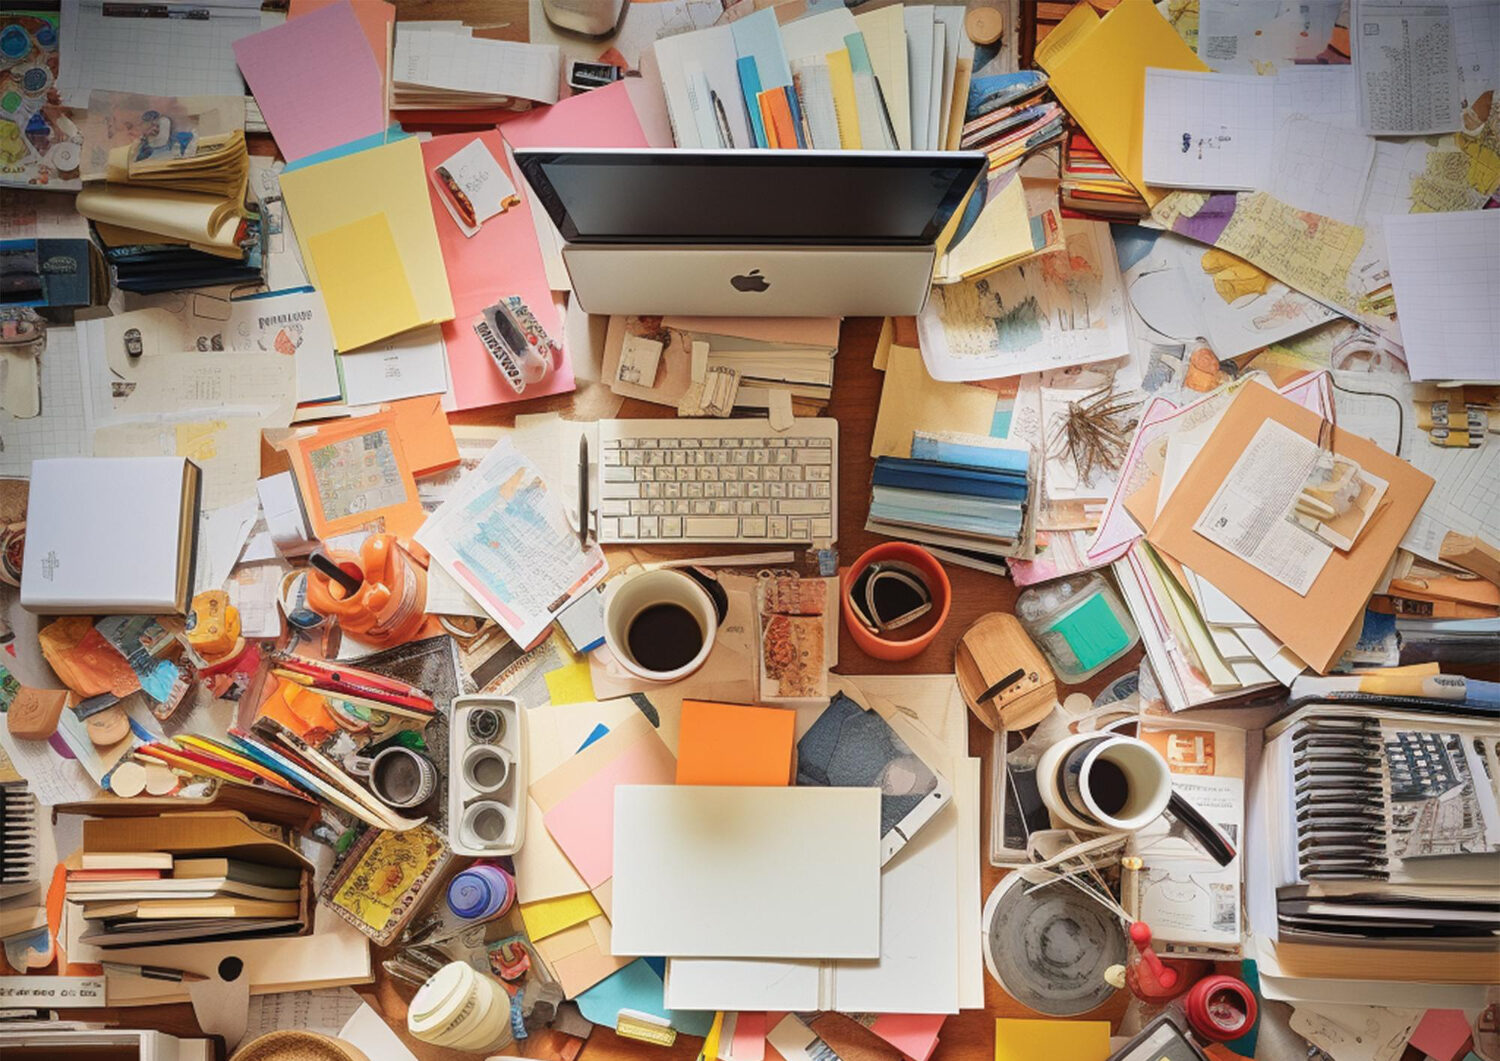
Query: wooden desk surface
point(856, 396)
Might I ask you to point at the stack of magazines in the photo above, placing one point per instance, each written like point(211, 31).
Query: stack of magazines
point(966, 496)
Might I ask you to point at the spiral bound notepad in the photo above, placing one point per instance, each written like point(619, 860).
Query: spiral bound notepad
point(18, 839)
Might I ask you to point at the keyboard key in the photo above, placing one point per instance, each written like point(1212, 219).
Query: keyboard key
point(671, 526)
point(712, 527)
point(791, 507)
point(815, 456)
point(778, 527)
point(616, 474)
point(753, 527)
point(822, 528)
point(649, 527)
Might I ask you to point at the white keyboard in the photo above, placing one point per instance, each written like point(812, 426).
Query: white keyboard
point(718, 481)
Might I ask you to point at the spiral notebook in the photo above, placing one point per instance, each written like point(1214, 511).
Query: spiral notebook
point(1388, 827)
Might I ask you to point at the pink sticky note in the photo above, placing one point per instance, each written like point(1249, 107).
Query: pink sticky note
point(316, 81)
point(914, 1034)
point(749, 1041)
point(1443, 1034)
point(583, 822)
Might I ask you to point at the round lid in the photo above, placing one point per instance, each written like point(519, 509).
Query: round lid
point(473, 894)
point(435, 999)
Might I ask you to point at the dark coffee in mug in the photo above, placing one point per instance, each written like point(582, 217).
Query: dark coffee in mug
point(664, 637)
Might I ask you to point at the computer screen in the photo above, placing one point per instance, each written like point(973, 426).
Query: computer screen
point(767, 197)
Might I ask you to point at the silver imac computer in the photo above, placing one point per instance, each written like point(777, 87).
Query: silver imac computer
point(760, 233)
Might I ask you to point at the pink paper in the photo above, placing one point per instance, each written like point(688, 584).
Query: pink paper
point(502, 259)
point(914, 1034)
point(749, 1041)
point(1443, 1034)
point(583, 822)
point(316, 81)
point(376, 19)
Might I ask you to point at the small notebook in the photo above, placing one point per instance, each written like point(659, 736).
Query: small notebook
point(111, 536)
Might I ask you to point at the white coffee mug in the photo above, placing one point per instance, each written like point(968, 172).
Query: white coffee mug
point(1103, 782)
point(486, 768)
point(627, 597)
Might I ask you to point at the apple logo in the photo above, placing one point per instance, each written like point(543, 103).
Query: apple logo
point(751, 281)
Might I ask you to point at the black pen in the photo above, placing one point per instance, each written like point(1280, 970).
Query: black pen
point(583, 492)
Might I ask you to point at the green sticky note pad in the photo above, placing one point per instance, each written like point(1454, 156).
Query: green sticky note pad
point(1092, 632)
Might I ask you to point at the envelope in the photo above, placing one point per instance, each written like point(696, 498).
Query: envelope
point(1316, 626)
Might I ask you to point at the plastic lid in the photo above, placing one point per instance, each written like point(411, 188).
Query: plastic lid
point(478, 893)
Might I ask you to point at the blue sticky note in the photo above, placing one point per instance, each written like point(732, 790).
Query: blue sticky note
point(1093, 632)
point(364, 143)
point(639, 987)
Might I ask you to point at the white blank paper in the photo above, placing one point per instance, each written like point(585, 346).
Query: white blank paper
point(1445, 272)
point(710, 872)
point(1210, 131)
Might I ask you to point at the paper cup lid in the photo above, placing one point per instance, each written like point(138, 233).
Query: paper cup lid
point(435, 999)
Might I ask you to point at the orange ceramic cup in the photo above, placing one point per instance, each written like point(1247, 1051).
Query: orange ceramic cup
point(937, 585)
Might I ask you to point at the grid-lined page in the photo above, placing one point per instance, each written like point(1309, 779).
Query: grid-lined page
point(154, 56)
point(1445, 271)
point(1211, 131)
point(62, 429)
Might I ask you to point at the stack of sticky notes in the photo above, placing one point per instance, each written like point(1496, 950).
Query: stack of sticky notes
point(727, 744)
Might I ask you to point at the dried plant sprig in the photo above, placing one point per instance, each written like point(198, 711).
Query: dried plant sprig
point(1095, 431)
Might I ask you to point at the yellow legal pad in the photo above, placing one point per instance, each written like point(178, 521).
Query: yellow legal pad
point(333, 202)
point(1031, 1040)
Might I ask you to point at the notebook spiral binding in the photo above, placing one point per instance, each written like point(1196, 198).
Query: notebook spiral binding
point(1339, 785)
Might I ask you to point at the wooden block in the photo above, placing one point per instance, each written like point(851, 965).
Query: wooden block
point(984, 25)
point(994, 649)
point(34, 713)
point(1472, 553)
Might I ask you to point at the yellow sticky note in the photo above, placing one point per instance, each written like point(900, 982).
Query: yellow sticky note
point(571, 684)
point(547, 917)
point(1097, 69)
point(1027, 1040)
point(363, 282)
point(1001, 234)
point(845, 109)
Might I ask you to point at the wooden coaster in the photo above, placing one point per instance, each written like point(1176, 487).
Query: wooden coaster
point(984, 25)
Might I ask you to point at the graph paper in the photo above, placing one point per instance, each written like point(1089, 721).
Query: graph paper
point(1445, 271)
point(156, 56)
point(1211, 131)
point(1322, 168)
point(63, 428)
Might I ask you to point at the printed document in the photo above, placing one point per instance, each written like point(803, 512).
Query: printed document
point(1405, 59)
point(1247, 515)
point(505, 539)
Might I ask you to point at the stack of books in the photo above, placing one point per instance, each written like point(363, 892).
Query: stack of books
point(1090, 186)
point(177, 222)
point(1010, 116)
point(150, 898)
point(966, 496)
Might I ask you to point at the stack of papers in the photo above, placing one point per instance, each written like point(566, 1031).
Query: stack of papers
point(442, 66)
point(890, 79)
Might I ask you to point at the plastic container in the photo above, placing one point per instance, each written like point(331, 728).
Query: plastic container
point(1079, 624)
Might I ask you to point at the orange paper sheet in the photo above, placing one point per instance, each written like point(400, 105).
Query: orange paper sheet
point(425, 434)
point(729, 744)
point(1317, 626)
point(354, 474)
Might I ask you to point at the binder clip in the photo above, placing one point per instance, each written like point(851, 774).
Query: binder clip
point(379, 594)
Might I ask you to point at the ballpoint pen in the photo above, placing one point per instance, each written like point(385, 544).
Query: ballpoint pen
point(583, 492)
point(153, 972)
